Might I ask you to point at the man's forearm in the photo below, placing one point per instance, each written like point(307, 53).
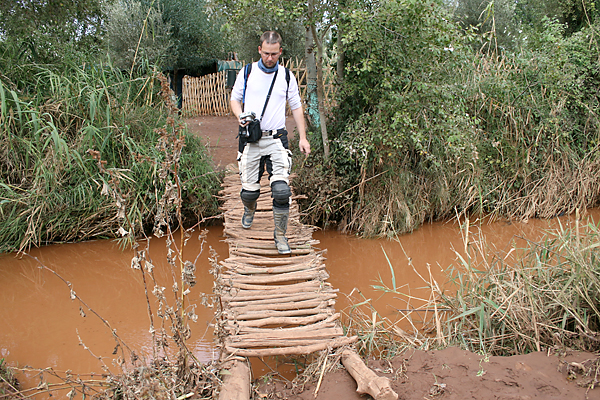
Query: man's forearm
point(236, 108)
point(298, 115)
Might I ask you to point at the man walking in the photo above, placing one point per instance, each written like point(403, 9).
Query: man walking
point(264, 88)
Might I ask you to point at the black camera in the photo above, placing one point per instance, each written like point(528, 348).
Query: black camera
point(246, 118)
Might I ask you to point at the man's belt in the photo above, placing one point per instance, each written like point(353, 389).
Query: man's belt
point(271, 132)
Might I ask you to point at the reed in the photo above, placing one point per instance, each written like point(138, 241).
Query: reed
point(542, 297)
point(50, 190)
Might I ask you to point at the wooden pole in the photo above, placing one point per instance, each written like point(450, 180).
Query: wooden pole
point(368, 382)
point(236, 381)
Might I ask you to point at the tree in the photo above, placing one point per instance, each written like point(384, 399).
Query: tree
point(50, 30)
point(313, 20)
point(509, 25)
point(197, 39)
point(572, 14)
point(136, 33)
point(245, 34)
point(492, 18)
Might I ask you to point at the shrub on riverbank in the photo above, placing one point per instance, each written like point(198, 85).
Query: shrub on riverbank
point(542, 297)
point(427, 128)
point(50, 188)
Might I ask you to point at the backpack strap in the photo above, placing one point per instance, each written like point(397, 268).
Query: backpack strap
point(287, 79)
point(247, 70)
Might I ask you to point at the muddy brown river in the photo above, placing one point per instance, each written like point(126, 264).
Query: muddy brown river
point(41, 327)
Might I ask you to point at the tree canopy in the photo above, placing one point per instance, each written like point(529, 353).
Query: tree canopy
point(196, 33)
point(45, 29)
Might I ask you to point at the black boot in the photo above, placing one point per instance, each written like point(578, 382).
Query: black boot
point(249, 210)
point(281, 221)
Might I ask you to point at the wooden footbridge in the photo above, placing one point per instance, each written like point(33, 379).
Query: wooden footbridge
point(271, 305)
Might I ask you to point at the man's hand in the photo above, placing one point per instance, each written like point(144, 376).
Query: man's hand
point(243, 122)
point(304, 146)
point(236, 107)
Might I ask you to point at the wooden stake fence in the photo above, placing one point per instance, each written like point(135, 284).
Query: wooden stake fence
point(208, 95)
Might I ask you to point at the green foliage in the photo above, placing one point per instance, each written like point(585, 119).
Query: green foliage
point(196, 34)
point(426, 128)
point(47, 31)
point(50, 188)
point(403, 113)
point(494, 21)
point(507, 26)
point(571, 14)
point(136, 33)
point(539, 119)
point(248, 20)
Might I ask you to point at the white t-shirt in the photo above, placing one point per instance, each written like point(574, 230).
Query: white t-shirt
point(259, 83)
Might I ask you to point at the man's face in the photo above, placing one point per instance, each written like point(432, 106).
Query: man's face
point(269, 52)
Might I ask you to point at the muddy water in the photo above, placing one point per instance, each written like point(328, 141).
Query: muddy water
point(40, 326)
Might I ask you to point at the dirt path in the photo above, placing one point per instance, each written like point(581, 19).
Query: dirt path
point(220, 134)
point(417, 375)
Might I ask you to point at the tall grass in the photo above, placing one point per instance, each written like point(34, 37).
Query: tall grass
point(541, 297)
point(544, 296)
point(50, 189)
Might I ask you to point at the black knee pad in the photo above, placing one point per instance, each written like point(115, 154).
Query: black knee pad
point(281, 192)
point(249, 196)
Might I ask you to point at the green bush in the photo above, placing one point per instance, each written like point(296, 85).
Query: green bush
point(434, 129)
point(51, 189)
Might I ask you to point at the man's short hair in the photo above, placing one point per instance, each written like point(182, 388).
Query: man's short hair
point(271, 37)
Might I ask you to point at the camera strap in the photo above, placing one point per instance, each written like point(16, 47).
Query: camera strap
point(269, 95)
point(247, 70)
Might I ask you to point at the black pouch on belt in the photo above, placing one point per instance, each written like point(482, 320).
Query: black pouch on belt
point(254, 131)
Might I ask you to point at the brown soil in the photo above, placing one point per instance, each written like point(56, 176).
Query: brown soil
point(458, 374)
point(220, 134)
point(444, 374)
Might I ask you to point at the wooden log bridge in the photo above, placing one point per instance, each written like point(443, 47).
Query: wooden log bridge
point(270, 305)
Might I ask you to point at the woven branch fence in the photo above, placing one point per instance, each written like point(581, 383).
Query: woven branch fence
point(208, 95)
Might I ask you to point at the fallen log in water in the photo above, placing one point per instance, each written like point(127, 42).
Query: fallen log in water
point(233, 315)
point(277, 299)
point(294, 350)
point(278, 306)
point(274, 335)
point(260, 290)
point(270, 321)
point(329, 322)
point(249, 270)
